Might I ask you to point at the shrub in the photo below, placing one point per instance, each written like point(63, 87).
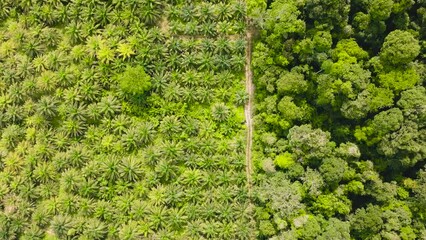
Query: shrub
point(134, 81)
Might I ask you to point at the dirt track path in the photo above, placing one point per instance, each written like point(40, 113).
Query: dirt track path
point(248, 111)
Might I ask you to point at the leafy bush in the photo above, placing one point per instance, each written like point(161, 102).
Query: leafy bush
point(134, 80)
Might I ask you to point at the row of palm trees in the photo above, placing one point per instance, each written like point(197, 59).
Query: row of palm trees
point(161, 225)
point(210, 29)
point(174, 55)
point(101, 13)
point(206, 12)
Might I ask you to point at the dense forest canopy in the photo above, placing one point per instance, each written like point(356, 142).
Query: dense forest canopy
point(340, 140)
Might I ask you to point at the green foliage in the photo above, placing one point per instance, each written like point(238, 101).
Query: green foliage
point(331, 73)
point(336, 229)
point(370, 100)
point(282, 19)
point(380, 10)
point(331, 205)
point(349, 47)
point(290, 111)
point(333, 170)
point(134, 80)
point(292, 83)
point(399, 48)
point(399, 80)
point(285, 160)
point(382, 124)
point(309, 144)
point(266, 228)
point(123, 120)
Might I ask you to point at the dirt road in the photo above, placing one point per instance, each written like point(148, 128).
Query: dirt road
point(248, 111)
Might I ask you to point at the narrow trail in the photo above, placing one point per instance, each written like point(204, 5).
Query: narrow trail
point(248, 111)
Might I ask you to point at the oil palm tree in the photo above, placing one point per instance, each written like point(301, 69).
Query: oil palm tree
point(209, 180)
point(187, 61)
point(237, 62)
point(239, 10)
point(131, 139)
point(139, 210)
point(193, 194)
point(205, 12)
point(224, 194)
point(24, 67)
point(150, 11)
point(120, 124)
point(188, 95)
point(33, 48)
point(130, 231)
point(238, 46)
point(222, 46)
point(105, 54)
point(104, 210)
point(147, 132)
point(222, 62)
point(208, 146)
point(209, 229)
point(176, 218)
point(68, 203)
point(73, 31)
point(90, 92)
point(166, 171)
point(187, 13)
point(4, 10)
point(45, 172)
point(14, 114)
point(170, 125)
point(191, 28)
point(224, 28)
point(205, 61)
point(223, 11)
point(71, 180)
point(124, 203)
point(73, 127)
point(47, 106)
point(203, 94)
point(102, 14)
point(88, 188)
point(61, 225)
point(238, 27)
point(95, 229)
point(226, 230)
point(130, 169)
point(11, 135)
point(158, 217)
point(190, 78)
point(171, 150)
point(109, 106)
point(173, 195)
point(191, 160)
point(33, 232)
point(220, 112)
point(110, 168)
point(191, 177)
point(175, 45)
point(93, 44)
point(176, 27)
point(194, 229)
point(207, 45)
